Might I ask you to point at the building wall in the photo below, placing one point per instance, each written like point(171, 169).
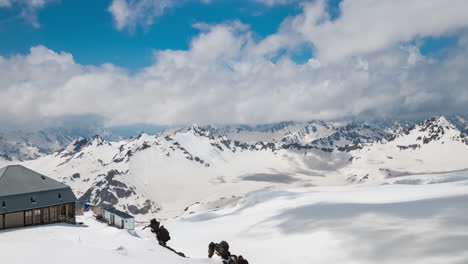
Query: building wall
point(40, 216)
point(118, 221)
point(97, 210)
point(13, 220)
point(106, 216)
point(1, 221)
point(130, 224)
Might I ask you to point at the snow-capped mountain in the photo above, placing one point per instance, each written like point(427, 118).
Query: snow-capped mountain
point(434, 146)
point(20, 145)
point(171, 170)
point(331, 134)
point(167, 172)
point(285, 132)
point(351, 134)
point(460, 122)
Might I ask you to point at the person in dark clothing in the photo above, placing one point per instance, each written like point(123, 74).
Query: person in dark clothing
point(162, 235)
point(222, 249)
point(241, 260)
point(154, 225)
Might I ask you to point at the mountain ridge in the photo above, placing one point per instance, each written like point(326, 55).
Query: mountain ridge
point(164, 173)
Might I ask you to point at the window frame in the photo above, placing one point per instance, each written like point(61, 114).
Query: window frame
point(28, 217)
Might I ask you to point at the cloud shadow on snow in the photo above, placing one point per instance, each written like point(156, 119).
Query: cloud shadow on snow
point(270, 177)
point(407, 231)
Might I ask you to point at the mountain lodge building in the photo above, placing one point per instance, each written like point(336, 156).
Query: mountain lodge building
point(29, 198)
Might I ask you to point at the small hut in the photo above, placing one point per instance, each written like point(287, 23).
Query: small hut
point(118, 219)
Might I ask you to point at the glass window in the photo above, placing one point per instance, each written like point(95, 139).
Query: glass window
point(62, 213)
point(53, 214)
point(71, 211)
point(28, 217)
point(45, 215)
point(37, 216)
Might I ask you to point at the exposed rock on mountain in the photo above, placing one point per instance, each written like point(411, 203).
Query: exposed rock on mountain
point(165, 173)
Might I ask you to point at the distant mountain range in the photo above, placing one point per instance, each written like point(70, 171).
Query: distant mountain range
point(21, 146)
point(166, 172)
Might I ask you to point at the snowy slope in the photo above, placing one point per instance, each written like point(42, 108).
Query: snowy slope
point(420, 224)
point(169, 171)
point(459, 121)
point(433, 146)
point(92, 242)
point(163, 174)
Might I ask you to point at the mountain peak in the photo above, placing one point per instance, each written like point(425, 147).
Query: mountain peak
point(197, 130)
point(97, 140)
point(436, 124)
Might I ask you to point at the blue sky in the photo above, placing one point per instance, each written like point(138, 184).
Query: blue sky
point(164, 62)
point(86, 29)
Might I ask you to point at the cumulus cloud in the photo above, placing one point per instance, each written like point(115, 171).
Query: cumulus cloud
point(366, 26)
point(226, 78)
point(29, 9)
point(128, 14)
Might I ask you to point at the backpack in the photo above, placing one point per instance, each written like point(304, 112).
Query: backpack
point(163, 234)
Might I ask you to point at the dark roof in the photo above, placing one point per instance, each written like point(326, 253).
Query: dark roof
point(23, 189)
point(118, 213)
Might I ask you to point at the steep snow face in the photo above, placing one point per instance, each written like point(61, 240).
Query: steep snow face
point(430, 147)
point(87, 166)
point(92, 242)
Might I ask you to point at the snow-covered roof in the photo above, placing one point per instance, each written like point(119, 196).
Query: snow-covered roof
point(24, 189)
point(118, 213)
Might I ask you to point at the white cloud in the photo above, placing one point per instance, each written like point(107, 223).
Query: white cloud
point(276, 2)
point(226, 78)
point(362, 67)
point(130, 13)
point(5, 3)
point(366, 26)
point(28, 8)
